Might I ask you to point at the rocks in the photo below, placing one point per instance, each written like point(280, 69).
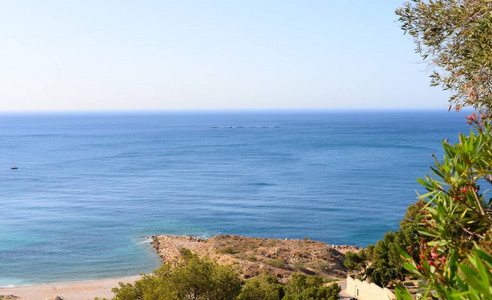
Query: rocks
point(254, 256)
point(346, 248)
point(8, 297)
point(168, 246)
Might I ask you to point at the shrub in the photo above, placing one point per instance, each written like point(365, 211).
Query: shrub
point(382, 262)
point(321, 265)
point(299, 265)
point(185, 253)
point(264, 288)
point(252, 258)
point(457, 258)
point(301, 287)
point(194, 278)
point(277, 263)
point(227, 250)
point(354, 261)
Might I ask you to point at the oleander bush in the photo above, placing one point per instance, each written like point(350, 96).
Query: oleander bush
point(455, 259)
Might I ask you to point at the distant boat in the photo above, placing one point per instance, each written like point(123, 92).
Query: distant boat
point(14, 168)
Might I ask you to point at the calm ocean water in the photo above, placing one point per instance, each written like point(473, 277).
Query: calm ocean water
point(89, 188)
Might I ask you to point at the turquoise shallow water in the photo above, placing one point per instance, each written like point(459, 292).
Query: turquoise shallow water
point(90, 187)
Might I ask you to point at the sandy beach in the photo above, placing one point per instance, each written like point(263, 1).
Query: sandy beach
point(297, 255)
point(77, 290)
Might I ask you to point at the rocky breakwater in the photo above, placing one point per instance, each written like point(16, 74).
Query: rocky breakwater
point(255, 256)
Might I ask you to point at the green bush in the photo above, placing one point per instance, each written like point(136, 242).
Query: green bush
point(194, 278)
point(301, 287)
point(300, 265)
point(185, 253)
point(382, 263)
point(277, 263)
point(264, 288)
point(252, 258)
point(227, 250)
point(456, 260)
point(354, 261)
point(201, 279)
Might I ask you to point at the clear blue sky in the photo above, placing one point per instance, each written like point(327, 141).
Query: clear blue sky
point(158, 55)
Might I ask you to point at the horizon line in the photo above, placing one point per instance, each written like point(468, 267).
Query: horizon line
point(232, 110)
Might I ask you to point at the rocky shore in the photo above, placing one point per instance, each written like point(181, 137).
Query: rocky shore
point(254, 256)
point(251, 256)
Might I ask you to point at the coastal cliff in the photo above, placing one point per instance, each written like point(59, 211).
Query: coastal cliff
point(255, 256)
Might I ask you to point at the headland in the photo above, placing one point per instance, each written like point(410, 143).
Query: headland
point(255, 256)
point(251, 257)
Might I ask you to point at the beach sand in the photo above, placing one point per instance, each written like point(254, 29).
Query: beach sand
point(77, 290)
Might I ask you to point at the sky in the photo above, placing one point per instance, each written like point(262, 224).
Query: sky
point(97, 55)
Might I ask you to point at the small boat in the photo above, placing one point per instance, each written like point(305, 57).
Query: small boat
point(14, 168)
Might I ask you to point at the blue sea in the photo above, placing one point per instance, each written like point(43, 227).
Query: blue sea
point(89, 188)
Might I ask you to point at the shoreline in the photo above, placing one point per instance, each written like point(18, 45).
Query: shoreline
point(73, 290)
point(2, 287)
point(253, 256)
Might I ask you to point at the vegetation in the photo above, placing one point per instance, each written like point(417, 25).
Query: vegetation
point(194, 278)
point(264, 287)
point(382, 263)
point(445, 239)
point(455, 258)
point(355, 261)
point(455, 263)
point(301, 287)
point(275, 262)
point(201, 279)
point(228, 250)
point(456, 35)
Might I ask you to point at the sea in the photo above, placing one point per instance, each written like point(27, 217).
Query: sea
point(91, 187)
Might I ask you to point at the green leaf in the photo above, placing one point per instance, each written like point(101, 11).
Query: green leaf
point(411, 268)
point(471, 277)
point(485, 256)
point(402, 293)
point(403, 253)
